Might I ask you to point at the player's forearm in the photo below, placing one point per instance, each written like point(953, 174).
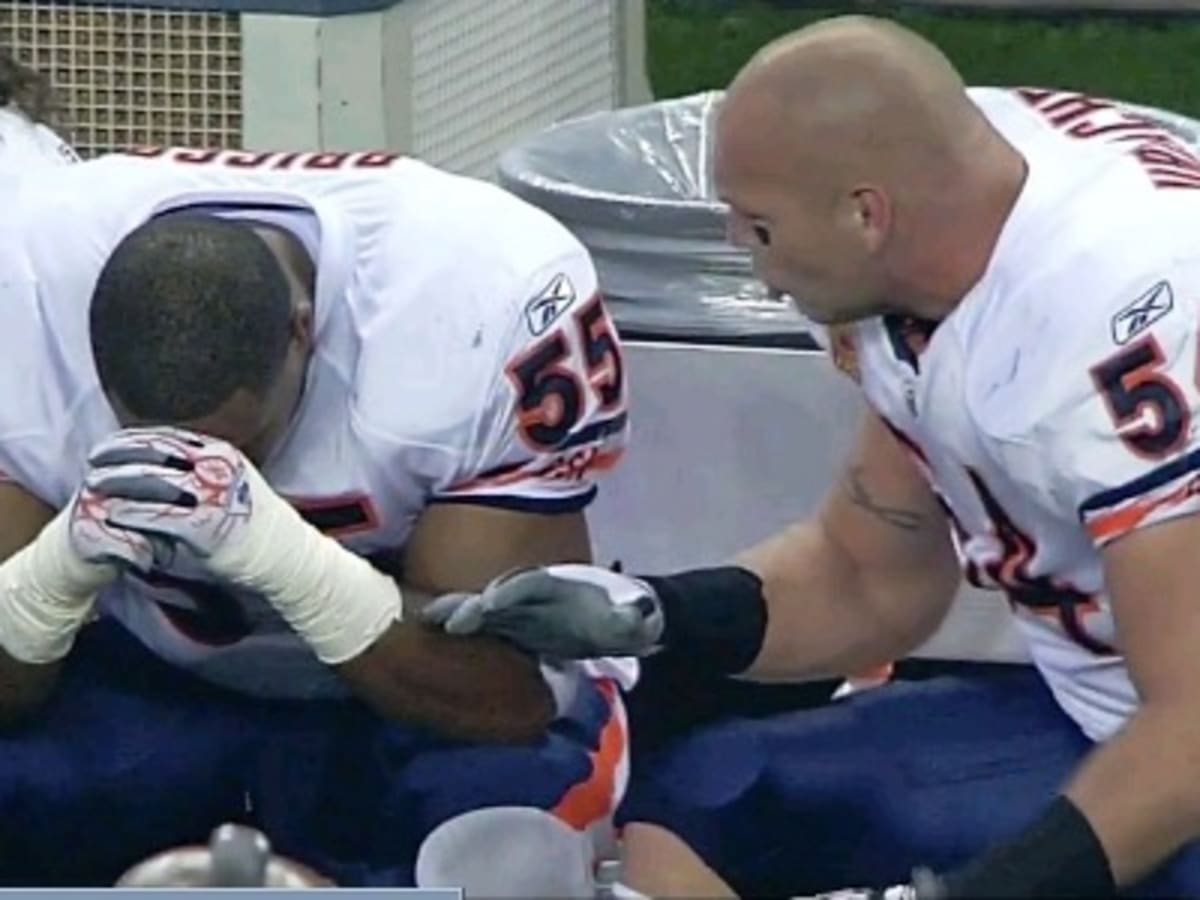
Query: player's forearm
point(475, 688)
point(1140, 790)
point(867, 578)
point(1133, 802)
point(472, 689)
point(861, 583)
point(826, 616)
point(354, 618)
point(46, 594)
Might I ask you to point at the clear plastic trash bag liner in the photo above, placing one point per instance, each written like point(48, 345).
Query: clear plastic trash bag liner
point(635, 186)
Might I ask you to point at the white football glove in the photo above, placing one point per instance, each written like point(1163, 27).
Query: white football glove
point(171, 489)
point(149, 491)
point(94, 539)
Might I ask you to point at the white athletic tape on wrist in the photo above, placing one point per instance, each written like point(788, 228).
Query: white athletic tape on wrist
point(46, 594)
point(332, 598)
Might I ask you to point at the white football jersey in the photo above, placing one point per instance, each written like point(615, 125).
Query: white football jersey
point(462, 355)
point(26, 145)
point(1057, 408)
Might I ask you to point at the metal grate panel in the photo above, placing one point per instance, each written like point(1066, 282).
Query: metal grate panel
point(134, 76)
point(487, 72)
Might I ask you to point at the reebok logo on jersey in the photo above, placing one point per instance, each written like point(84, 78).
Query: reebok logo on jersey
point(1142, 313)
point(543, 310)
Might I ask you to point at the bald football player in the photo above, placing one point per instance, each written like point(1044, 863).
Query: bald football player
point(1012, 277)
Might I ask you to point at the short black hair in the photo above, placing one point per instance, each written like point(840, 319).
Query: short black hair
point(28, 89)
point(187, 309)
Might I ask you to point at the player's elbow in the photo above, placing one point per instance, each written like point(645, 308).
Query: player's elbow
point(523, 722)
point(914, 607)
point(893, 615)
point(497, 717)
point(468, 689)
point(518, 717)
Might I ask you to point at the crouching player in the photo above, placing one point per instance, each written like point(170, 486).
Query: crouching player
point(257, 406)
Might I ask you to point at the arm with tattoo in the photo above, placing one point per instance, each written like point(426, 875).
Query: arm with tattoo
point(865, 580)
point(897, 517)
point(859, 584)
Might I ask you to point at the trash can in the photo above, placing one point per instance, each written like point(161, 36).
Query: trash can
point(634, 185)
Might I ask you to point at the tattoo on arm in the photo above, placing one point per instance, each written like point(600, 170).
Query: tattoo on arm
point(904, 519)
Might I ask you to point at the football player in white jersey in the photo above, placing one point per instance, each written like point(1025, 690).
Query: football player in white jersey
point(1013, 277)
point(232, 379)
point(26, 141)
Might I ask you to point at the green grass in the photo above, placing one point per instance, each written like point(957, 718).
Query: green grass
point(698, 45)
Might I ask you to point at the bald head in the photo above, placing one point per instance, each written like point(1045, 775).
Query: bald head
point(853, 92)
point(855, 164)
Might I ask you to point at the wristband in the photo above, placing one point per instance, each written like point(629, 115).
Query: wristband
point(1059, 855)
point(716, 615)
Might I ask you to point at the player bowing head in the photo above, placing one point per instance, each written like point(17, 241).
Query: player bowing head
point(205, 323)
point(282, 398)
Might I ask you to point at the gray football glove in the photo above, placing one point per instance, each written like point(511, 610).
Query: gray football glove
point(567, 611)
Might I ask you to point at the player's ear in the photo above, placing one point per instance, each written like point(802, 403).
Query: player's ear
point(872, 215)
point(303, 325)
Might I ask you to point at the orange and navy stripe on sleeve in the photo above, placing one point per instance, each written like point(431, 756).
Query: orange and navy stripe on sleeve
point(1163, 493)
point(561, 480)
